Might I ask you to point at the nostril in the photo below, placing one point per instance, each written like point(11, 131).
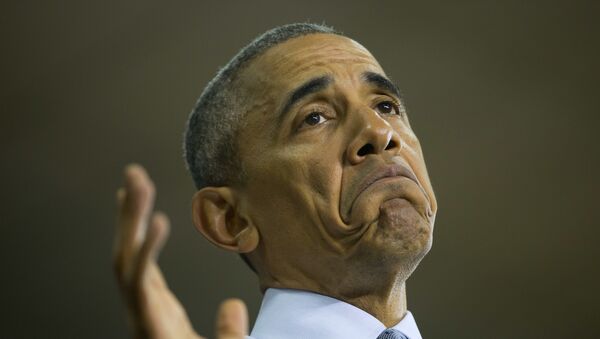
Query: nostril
point(366, 149)
point(391, 145)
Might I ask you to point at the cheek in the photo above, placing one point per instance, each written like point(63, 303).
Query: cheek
point(414, 155)
point(323, 174)
point(287, 180)
point(289, 196)
point(313, 166)
point(295, 186)
point(406, 133)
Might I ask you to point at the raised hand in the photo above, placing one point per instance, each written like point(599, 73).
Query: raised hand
point(153, 310)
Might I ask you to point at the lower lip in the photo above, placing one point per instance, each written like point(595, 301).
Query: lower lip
point(383, 181)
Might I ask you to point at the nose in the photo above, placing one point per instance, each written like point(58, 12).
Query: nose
point(375, 137)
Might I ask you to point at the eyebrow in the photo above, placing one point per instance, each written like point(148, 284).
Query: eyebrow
point(319, 83)
point(381, 82)
point(309, 87)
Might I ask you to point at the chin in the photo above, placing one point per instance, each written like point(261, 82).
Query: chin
point(396, 242)
point(393, 254)
point(402, 231)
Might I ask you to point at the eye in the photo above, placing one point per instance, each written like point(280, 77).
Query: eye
point(314, 119)
point(387, 107)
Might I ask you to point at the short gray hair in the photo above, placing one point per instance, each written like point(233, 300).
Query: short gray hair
point(210, 143)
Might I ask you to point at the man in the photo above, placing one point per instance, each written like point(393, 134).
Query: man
point(306, 164)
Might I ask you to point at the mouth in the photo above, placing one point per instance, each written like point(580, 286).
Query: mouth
point(386, 173)
point(391, 180)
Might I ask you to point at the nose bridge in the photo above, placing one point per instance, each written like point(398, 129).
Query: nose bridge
point(373, 135)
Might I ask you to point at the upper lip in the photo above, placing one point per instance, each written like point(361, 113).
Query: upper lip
point(387, 171)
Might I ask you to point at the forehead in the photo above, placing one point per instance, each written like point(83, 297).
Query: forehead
point(270, 79)
point(288, 64)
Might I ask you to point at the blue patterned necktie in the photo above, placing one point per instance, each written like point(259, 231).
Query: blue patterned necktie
point(391, 333)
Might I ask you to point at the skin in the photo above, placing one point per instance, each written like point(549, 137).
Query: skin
point(153, 310)
point(305, 214)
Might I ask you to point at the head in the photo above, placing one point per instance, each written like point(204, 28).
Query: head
point(322, 182)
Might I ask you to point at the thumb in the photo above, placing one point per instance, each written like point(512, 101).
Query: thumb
point(232, 320)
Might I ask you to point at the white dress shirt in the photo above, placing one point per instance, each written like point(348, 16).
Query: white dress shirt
point(295, 314)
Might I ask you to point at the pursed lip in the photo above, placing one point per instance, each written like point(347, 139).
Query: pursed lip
point(387, 171)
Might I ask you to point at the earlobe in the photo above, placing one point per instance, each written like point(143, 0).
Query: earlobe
point(247, 239)
point(215, 215)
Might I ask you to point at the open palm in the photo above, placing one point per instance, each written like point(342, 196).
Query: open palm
point(153, 309)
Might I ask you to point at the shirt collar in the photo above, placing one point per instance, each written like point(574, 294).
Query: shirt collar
point(295, 314)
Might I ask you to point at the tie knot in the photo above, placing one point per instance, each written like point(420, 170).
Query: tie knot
point(391, 333)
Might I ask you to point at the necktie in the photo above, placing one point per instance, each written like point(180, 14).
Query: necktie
point(391, 333)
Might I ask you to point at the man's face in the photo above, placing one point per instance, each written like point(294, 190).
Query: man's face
point(335, 178)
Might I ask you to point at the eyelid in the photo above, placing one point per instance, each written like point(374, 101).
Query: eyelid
point(388, 98)
point(323, 110)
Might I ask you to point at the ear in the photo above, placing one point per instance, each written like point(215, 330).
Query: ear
point(216, 216)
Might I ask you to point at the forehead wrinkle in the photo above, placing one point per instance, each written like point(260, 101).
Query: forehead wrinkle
point(299, 59)
point(308, 67)
point(296, 57)
point(321, 54)
point(343, 46)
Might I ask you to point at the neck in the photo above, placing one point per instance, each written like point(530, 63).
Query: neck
point(388, 306)
point(386, 302)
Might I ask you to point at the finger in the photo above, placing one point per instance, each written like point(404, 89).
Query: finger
point(136, 204)
point(156, 237)
point(232, 320)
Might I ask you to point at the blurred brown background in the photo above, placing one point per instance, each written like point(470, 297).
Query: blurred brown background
point(503, 95)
